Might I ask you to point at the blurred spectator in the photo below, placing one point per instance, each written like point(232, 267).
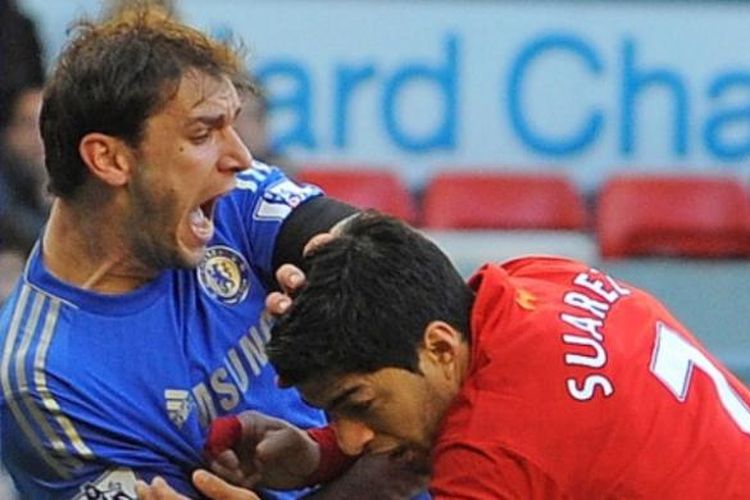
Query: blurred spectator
point(11, 265)
point(20, 51)
point(22, 206)
point(252, 127)
point(23, 202)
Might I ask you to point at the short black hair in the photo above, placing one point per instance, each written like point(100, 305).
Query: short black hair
point(370, 294)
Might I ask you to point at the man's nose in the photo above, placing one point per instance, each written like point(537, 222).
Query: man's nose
point(236, 157)
point(352, 436)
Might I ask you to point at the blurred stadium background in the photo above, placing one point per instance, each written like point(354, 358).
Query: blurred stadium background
point(617, 132)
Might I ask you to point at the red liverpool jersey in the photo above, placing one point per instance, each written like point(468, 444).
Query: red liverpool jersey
point(582, 387)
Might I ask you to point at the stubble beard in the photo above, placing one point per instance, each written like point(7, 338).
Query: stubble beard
point(434, 411)
point(151, 227)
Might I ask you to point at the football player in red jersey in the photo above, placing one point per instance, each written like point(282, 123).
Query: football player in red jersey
point(540, 378)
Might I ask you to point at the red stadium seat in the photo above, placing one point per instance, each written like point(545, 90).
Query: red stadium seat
point(666, 215)
point(363, 187)
point(502, 200)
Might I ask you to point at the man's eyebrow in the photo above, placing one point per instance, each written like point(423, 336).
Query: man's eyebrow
point(341, 398)
point(213, 120)
point(210, 120)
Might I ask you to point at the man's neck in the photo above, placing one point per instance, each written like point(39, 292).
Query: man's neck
point(87, 251)
point(463, 363)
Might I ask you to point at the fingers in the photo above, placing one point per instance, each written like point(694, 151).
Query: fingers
point(277, 303)
point(228, 459)
point(240, 464)
point(317, 241)
point(247, 479)
point(143, 492)
point(228, 466)
point(158, 490)
point(216, 488)
point(290, 278)
point(233, 475)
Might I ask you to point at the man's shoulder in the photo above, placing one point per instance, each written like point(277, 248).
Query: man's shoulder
point(253, 213)
point(271, 187)
point(28, 320)
point(542, 266)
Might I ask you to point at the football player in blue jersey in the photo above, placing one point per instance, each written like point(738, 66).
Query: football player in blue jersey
point(139, 317)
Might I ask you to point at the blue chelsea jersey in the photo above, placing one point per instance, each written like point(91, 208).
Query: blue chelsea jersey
point(100, 389)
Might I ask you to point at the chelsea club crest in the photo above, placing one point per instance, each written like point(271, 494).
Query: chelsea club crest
point(224, 274)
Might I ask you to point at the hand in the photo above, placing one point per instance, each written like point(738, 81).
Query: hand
point(209, 485)
point(269, 452)
point(291, 278)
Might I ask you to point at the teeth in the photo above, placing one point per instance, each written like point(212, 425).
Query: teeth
point(197, 216)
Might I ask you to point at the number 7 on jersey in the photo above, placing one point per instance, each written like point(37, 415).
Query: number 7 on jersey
point(673, 361)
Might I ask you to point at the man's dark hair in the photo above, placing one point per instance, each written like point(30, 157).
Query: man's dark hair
point(370, 294)
point(114, 75)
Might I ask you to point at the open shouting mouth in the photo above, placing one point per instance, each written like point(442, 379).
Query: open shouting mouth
point(201, 219)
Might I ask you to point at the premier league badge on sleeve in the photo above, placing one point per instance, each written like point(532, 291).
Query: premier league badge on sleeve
point(280, 198)
point(224, 275)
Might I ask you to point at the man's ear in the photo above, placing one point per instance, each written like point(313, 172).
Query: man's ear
point(108, 158)
point(442, 342)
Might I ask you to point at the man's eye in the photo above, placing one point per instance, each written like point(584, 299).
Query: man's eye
point(357, 409)
point(200, 138)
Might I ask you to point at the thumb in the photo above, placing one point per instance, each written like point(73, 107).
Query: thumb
point(217, 489)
